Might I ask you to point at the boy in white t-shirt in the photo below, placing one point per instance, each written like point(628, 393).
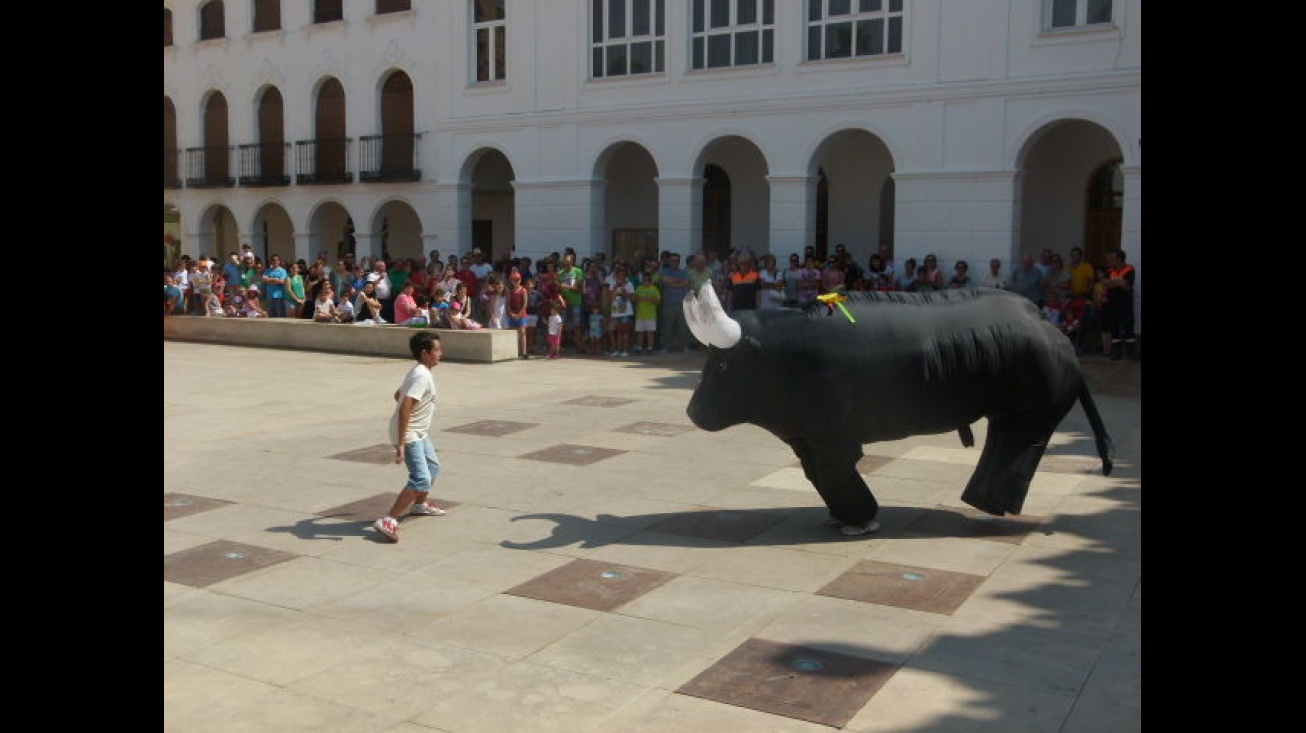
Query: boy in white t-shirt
point(410, 434)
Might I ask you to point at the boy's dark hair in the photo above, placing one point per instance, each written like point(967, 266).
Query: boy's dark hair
point(422, 341)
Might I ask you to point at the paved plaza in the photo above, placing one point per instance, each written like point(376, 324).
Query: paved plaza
point(607, 567)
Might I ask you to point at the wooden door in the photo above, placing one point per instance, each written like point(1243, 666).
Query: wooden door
point(1103, 234)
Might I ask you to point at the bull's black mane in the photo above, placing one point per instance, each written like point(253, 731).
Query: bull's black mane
point(858, 297)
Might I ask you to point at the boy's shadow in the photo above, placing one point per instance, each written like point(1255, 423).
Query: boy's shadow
point(318, 528)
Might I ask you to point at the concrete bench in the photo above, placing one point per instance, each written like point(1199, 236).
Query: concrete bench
point(484, 346)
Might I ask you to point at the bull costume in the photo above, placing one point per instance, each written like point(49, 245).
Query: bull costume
point(874, 366)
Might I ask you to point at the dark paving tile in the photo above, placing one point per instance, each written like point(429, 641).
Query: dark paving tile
point(904, 586)
point(815, 685)
point(575, 455)
point(974, 523)
point(493, 428)
point(381, 453)
point(217, 561)
point(660, 429)
point(372, 507)
point(591, 584)
point(726, 525)
point(597, 401)
point(184, 505)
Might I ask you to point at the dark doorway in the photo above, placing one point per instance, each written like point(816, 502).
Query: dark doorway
point(716, 212)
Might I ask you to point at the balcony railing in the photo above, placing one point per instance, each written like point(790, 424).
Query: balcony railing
point(387, 158)
point(209, 167)
point(171, 179)
point(323, 161)
point(264, 164)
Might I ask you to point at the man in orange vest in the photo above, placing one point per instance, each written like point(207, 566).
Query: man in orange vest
point(1118, 316)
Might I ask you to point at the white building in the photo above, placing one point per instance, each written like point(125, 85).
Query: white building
point(964, 128)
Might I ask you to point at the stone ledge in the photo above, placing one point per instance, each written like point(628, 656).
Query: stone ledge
point(483, 346)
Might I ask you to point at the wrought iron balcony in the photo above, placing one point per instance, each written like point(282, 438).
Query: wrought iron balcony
point(323, 161)
point(264, 164)
point(389, 158)
point(209, 167)
point(171, 179)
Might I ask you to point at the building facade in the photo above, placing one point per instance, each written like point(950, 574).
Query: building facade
point(968, 130)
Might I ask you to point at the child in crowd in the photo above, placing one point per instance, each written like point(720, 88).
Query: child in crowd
point(622, 313)
point(235, 305)
point(439, 309)
point(516, 299)
point(251, 308)
point(495, 302)
point(532, 318)
point(213, 305)
point(556, 308)
point(346, 310)
point(596, 328)
point(324, 308)
point(648, 299)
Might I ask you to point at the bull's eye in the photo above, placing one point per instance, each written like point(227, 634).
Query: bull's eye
point(721, 366)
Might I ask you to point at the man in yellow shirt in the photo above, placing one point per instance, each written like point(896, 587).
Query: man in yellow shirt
point(1081, 274)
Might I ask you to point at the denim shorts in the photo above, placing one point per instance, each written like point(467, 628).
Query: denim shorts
point(423, 464)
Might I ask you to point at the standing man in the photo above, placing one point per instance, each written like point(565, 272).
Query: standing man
point(1118, 317)
point(1081, 275)
point(675, 283)
point(571, 283)
point(410, 433)
point(482, 269)
point(1028, 280)
point(274, 284)
point(891, 266)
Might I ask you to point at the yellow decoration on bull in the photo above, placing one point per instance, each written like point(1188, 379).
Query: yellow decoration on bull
point(836, 299)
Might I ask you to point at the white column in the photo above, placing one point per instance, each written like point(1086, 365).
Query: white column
point(793, 214)
point(680, 207)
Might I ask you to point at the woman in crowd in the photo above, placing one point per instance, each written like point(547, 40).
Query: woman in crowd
point(367, 307)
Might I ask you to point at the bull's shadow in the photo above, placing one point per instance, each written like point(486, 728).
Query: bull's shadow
point(772, 526)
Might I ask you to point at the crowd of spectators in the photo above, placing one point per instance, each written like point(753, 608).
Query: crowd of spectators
point(612, 309)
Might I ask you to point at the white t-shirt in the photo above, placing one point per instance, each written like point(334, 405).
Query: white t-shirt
point(622, 303)
point(419, 384)
point(768, 296)
point(555, 324)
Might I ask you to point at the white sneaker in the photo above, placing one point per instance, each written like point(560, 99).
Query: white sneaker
point(388, 527)
point(426, 509)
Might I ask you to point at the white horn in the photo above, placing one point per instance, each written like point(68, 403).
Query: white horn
point(707, 320)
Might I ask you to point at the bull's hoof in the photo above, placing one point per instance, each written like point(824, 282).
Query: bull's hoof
point(853, 530)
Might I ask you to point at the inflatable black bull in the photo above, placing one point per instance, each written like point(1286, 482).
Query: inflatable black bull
point(827, 380)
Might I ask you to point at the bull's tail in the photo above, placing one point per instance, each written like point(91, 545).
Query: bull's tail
point(1105, 448)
